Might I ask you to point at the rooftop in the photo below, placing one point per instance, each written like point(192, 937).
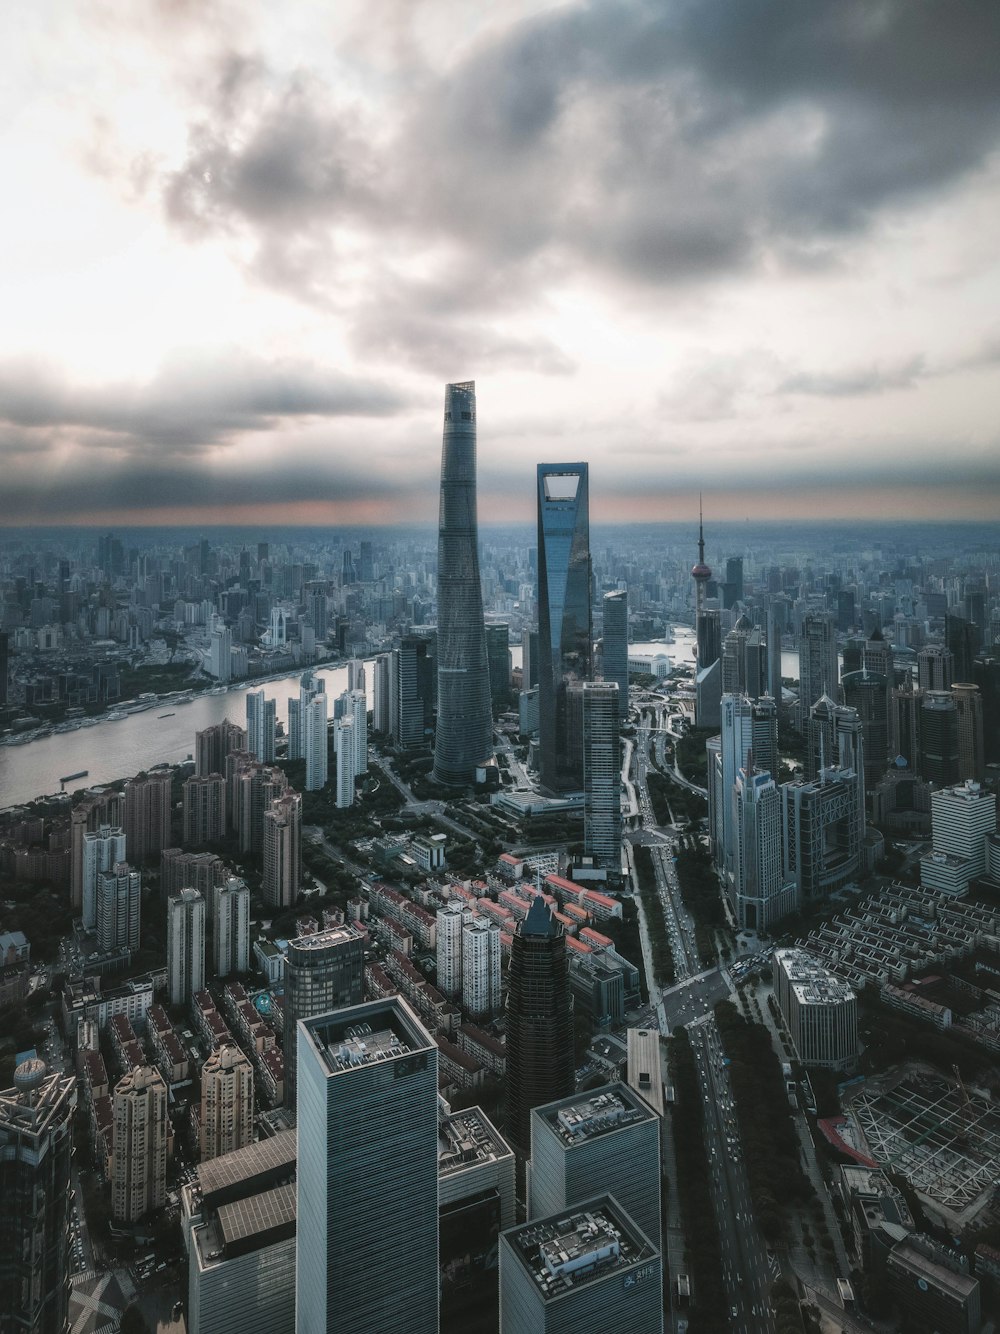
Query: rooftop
point(367, 1034)
point(321, 940)
point(566, 1251)
point(581, 1118)
point(813, 983)
point(467, 1139)
point(238, 1172)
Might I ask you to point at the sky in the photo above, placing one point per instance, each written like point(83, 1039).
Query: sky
point(745, 249)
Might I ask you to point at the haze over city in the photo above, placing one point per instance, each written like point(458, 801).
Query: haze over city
point(746, 250)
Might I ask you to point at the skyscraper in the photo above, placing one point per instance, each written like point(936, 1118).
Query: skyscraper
point(204, 817)
point(969, 707)
point(564, 618)
point(411, 703)
point(586, 1268)
point(367, 1253)
point(498, 655)
point(605, 1139)
point(212, 745)
point(185, 945)
point(869, 693)
point(231, 928)
point(141, 1143)
point(818, 672)
point(282, 849)
point(761, 893)
point(344, 751)
point(614, 650)
point(935, 667)
point(310, 686)
point(118, 901)
point(226, 1118)
point(450, 920)
point(98, 808)
point(540, 1065)
point(261, 723)
point(464, 738)
point(602, 762)
point(102, 848)
point(36, 1144)
point(147, 815)
point(315, 741)
point(323, 971)
point(480, 967)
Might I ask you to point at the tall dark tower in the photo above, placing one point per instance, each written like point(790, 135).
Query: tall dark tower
point(540, 1064)
point(565, 634)
point(464, 738)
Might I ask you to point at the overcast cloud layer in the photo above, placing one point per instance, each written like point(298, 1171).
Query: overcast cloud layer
point(745, 249)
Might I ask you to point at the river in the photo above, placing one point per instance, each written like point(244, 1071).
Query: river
point(113, 750)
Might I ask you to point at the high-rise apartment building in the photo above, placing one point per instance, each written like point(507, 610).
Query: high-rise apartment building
point(324, 971)
point(586, 1268)
point(315, 741)
point(204, 810)
point(36, 1145)
point(818, 672)
point(147, 815)
point(310, 685)
point(345, 753)
point(213, 744)
point(231, 928)
point(220, 652)
point(614, 646)
point(141, 1144)
point(252, 788)
point(464, 738)
point(185, 945)
point(203, 871)
point(96, 810)
point(282, 851)
point(261, 725)
point(367, 1254)
point(225, 1122)
point(102, 849)
point(565, 634)
point(540, 1066)
point(480, 967)
point(119, 897)
point(607, 1139)
point(450, 921)
point(602, 763)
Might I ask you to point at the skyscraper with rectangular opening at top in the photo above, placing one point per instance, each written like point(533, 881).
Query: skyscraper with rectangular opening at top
point(464, 738)
point(565, 635)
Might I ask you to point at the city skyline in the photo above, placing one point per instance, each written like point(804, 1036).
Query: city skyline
point(247, 262)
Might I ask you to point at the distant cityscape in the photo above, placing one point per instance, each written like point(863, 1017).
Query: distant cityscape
point(576, 928)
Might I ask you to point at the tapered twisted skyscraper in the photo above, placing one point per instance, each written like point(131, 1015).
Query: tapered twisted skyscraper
point(464, 736)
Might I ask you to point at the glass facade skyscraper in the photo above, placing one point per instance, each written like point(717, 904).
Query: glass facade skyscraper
point(565, 635)
point(464, 737)
point(540, 1066)
point(367, 1246)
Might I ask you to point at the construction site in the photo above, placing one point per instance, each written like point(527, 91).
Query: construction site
point(942, 1136)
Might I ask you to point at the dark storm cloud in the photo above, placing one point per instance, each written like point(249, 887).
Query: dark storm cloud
point(188, 406)
point(660, 141)
point(79, 487)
